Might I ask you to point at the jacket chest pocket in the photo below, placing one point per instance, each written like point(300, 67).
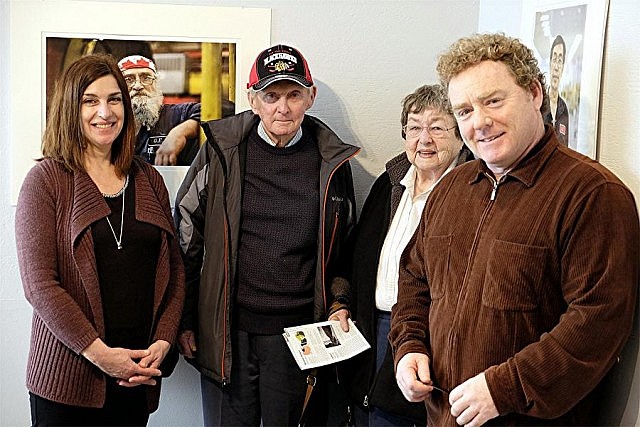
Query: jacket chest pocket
point(438, 260)
point(514, 276)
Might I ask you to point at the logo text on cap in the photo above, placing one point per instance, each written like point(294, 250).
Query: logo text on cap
point(280, 55)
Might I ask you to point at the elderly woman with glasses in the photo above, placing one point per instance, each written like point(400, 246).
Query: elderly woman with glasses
point(99, 260)
point(432, 147)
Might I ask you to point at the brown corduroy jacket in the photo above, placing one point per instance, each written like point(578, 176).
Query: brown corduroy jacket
point(57, 264)
point(532, 281)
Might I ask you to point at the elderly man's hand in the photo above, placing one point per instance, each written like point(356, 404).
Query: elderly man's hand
point(471, 402)
point(342, 316)
point(413, 376)
point(187, 344)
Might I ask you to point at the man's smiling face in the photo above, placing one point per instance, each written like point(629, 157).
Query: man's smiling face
point(499, 120)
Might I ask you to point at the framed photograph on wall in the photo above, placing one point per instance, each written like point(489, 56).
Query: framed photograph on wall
point(34, 21)
point(567, 37)
point(189, 81)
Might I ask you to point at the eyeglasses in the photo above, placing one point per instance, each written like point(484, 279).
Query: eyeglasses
point(145, 79)
point(414, 131)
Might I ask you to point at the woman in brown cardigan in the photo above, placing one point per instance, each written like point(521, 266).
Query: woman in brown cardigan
point(98, 258)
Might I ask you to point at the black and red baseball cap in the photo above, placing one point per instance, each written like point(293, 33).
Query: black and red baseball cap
point(279, 62)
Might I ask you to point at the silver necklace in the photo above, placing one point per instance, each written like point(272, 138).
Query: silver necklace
point(122, 191)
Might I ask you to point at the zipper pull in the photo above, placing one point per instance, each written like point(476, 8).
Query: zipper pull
point(495, 189)
point(366, 402)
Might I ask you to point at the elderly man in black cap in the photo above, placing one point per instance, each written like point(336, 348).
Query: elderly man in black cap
point(263, 215)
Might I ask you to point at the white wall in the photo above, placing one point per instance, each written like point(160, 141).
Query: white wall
point(15, 313)
point(365, 56)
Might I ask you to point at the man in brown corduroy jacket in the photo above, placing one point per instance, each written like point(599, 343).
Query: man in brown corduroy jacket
point(517, 291)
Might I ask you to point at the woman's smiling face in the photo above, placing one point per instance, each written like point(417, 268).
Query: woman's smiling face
point(429, 153)
point(102, 112)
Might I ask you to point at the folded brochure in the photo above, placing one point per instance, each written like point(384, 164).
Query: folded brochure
point(324, 343)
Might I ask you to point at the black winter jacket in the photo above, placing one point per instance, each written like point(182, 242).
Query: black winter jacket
point(207, 214)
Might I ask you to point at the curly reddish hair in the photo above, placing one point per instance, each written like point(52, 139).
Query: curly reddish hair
point(469, 51)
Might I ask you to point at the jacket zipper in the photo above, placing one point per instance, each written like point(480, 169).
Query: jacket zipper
point(365, 403)
point(453, 338)
point(325, 259)
point(223, 165)
point(333, 237)
point(226, 288)
point(495, 189)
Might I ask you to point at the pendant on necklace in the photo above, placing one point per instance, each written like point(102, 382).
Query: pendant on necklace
point(119, 241)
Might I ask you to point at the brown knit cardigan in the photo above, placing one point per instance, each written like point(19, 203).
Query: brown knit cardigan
point(55, 211)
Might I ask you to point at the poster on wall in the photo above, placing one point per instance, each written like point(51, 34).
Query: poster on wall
point(567, 38)
point(165, 80)
point(34, 24)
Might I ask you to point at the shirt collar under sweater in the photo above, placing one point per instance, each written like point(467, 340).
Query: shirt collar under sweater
point(263, 135)
point(403, 225)
point(409, 180)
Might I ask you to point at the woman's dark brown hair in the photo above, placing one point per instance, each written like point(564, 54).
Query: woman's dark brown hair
point(63, 138)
